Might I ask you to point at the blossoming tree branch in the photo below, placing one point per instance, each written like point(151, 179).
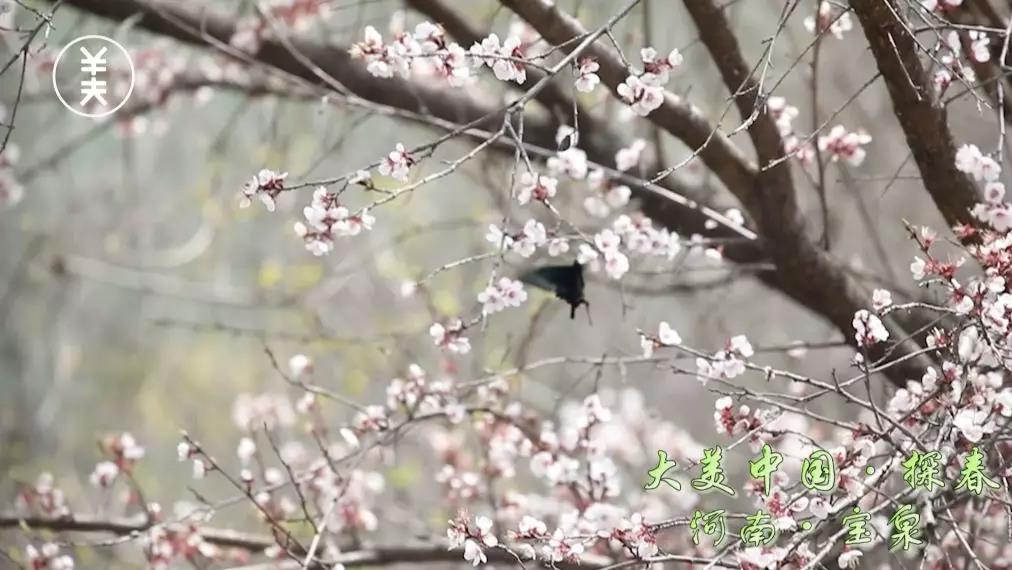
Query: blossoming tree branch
point(613, 180)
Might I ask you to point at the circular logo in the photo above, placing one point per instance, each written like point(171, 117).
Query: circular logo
point(93, 76)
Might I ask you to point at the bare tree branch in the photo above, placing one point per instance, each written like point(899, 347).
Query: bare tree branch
point(726, 160)
point(923, 119)
point(359, 557)
point(804, 272)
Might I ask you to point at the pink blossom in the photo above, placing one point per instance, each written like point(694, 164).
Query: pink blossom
point(658, 67)
point(782, 113)
point(532, 237)
point(559, 548)
point(643, 96)
point(503, 294)
point(104, 474)
point(397, 164)
point(917, 268)
point(869, 330)
point(557, 246)
point(47, 558)
point(586, 75)
point(266, 185)
point(629, 157)
point(327, 219)
point(449, 337)
point(299, 364)
point(536, 187)
point(829, 20)
point(667, 335)
point(970, 160)
point(846, 145)
point(572, 162)
point(880, 299)
point(506, 60)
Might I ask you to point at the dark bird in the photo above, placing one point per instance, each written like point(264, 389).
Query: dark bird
point(566, 281)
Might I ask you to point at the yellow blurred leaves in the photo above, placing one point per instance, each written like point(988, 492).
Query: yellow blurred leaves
point(404, 475)
point(356, 383)
point(291, 277)
point(446, 302)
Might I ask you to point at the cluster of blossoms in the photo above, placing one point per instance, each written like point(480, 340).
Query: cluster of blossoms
point(123, 452)
point(11, 192)
point(414, 394)
point(608, 243)
point(868, 329)
point(881, 299)
point(786, 508)
point(449, 336)
point(571, 162)
point(611, 247)
point(266, 186)
point(268, 410)
point(829, 20)
point(979, 45)
point(506, 59)
point(186, 452)
point(43, 499)
point(586, 75)
point(644, 92)
point(160, 71)
point(473, 538)
point(348, 497)
point(606, 195)
point(736, 422)
point(994, 211)
point(295, 15)
point(47, 557)
point(637, 236)
point(459, 485)
point(536, 187)
point(355, 495)
point(783, 115)
point(397, 164)
point(325, 219)
point(527, 241)
point(726, 363)
point(577, 455)
point(427, 53)
point(157, 70)
point(841, 144)
point(502, 294)
point(628, 157)
point(969, 386)
point(666, 336)
point(965, 392)
point(169, 544)
point(950, 54)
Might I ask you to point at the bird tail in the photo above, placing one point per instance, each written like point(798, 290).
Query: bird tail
point(572, 310)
